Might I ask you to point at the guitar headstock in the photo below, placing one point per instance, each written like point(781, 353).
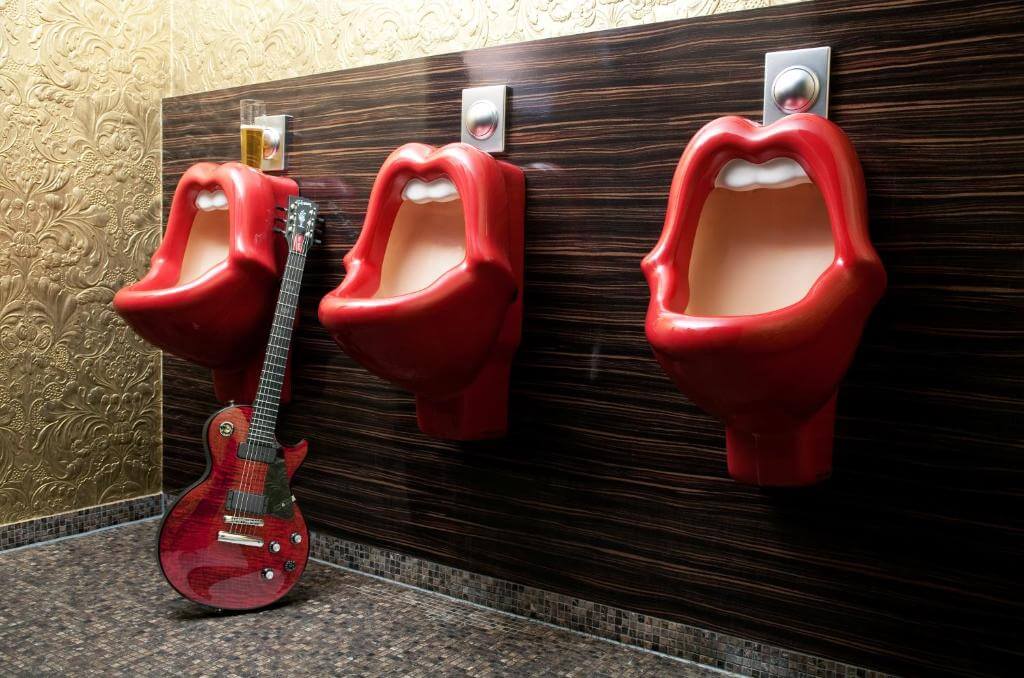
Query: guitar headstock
point(301, 224)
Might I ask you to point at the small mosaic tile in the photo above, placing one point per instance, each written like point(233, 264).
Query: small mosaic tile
point(38, 530)
point(709, 648)
point(98, 606)
point(704, 647)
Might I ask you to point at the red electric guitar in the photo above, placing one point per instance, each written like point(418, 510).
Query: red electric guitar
point(235, 539)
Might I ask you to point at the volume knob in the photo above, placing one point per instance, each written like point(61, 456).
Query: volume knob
point(267, 573)
point(296, 538)
point(274, 546)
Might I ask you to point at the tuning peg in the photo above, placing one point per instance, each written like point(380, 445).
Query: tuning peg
point(279, 208)
point(280, 230)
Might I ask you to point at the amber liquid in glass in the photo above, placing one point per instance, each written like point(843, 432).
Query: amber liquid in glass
point(252, 145)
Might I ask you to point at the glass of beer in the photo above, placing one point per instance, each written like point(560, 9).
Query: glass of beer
point(252, 134)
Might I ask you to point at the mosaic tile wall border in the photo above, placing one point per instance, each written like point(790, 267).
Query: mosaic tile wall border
point(710, 648)
point(36, 530)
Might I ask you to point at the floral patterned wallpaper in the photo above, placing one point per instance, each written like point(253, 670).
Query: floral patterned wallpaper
point(80, 88)
point(245, 41)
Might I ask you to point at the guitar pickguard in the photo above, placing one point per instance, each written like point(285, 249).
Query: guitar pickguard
point(276, 490)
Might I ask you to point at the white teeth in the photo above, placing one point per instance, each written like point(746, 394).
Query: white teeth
point(212, 200)
point(438, 190)
point(740, 175)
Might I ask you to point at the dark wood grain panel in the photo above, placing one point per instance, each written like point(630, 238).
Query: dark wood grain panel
point(611, 485)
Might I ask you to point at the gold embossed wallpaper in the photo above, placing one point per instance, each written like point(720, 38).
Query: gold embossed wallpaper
point(80, 89)
point(271, 39)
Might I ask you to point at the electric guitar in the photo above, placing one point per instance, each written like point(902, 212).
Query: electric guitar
point(236, 540)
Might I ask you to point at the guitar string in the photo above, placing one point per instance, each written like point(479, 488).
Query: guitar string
point(261, 410)
point(265, 412)
point(279, 339)
point(257, 429)
point(263, 420)
point(242, 508)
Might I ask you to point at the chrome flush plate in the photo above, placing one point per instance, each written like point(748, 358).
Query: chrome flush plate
point(796, 81)
point(483, 117)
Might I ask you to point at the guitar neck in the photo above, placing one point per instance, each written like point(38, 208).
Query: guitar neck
point(268, 394)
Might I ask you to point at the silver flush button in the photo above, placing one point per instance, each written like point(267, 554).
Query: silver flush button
point(483, 117)
point(796, 81)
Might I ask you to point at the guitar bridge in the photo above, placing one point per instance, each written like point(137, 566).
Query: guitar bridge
point(240, 539)
point(243, 520)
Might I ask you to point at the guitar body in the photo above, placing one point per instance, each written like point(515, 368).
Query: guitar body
point(244, 557)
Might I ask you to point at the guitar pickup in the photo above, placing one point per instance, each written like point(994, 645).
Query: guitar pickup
point(246, 502)
point(251, 452)
point(240, 539)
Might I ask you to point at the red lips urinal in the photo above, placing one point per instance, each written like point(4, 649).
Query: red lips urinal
point(431, 300)
point(210, 291)
point(760, 286)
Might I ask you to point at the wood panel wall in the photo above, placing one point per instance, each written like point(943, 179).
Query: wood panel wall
point(611, 485)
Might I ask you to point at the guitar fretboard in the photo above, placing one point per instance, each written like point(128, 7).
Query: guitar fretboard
point(268, 394)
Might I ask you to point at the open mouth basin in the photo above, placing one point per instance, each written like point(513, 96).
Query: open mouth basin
point(427, 238)
point(762, 240)
point(208, 237)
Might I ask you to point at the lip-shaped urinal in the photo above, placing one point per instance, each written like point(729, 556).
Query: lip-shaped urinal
point(760, 287)
point(210, 291)
point(432, 296)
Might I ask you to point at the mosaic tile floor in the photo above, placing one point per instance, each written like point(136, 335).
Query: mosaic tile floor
point(97, 605)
